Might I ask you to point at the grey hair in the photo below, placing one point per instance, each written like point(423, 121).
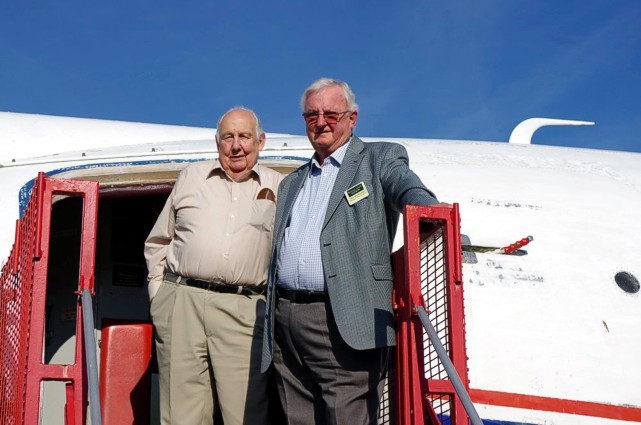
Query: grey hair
point(322, 83)
point(258, 129)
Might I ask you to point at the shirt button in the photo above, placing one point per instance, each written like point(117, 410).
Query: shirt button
point(226, 234)
point(235, 198)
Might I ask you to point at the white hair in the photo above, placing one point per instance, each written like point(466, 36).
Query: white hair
point(322, 83)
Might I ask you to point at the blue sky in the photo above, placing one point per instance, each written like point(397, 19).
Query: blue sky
point(468, 69)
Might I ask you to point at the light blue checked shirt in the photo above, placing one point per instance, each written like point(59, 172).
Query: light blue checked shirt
point(299, 264)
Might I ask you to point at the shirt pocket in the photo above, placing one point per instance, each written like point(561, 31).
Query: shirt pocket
point(262, 214)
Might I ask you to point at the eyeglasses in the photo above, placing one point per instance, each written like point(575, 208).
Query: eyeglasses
point(330, 117)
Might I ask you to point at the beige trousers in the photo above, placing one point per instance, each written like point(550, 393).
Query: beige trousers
point(208, 346)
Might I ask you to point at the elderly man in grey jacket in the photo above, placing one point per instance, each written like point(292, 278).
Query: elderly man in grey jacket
point(329, 319)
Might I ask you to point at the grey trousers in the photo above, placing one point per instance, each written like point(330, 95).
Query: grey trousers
point(321, 380)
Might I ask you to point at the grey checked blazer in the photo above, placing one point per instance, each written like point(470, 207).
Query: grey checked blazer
point(356, 241)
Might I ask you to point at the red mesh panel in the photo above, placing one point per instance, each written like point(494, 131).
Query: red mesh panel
point(428, 274)
point(16, 282)
point(23, 284)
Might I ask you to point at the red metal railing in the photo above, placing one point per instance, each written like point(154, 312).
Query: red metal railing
point(431, 277)
point(23, 283)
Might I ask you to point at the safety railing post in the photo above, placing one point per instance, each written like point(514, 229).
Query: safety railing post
point(432, 281)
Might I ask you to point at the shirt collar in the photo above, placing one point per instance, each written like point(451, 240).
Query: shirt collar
point(336, 157)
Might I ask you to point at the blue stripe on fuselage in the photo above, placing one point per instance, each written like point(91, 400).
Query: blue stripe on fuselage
point(25, 190)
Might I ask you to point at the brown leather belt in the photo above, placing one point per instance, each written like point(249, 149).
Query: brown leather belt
point(215, 286)
point(302, 296)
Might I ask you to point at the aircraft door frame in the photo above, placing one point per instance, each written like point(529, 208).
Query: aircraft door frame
point(26, 273)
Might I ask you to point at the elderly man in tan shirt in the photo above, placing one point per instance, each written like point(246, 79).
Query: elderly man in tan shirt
point(207, 256)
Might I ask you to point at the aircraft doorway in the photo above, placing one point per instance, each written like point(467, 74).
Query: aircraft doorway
point(128, 207)
point(124, 222)
point(125, 217)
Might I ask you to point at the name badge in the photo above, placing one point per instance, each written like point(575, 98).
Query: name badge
point(356, 193)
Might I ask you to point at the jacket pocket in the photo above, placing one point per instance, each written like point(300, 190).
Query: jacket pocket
point(382, 272)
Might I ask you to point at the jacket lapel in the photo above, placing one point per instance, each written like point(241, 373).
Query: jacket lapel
point(345, 177)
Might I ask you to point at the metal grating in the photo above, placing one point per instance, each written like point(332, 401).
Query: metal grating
point(16, 281)
point(433, 272)
point(385, 408)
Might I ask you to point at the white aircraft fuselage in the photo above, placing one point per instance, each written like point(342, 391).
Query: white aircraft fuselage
point(551, 323)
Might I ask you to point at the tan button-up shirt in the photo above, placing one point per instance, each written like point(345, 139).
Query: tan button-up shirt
point(214, 228)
